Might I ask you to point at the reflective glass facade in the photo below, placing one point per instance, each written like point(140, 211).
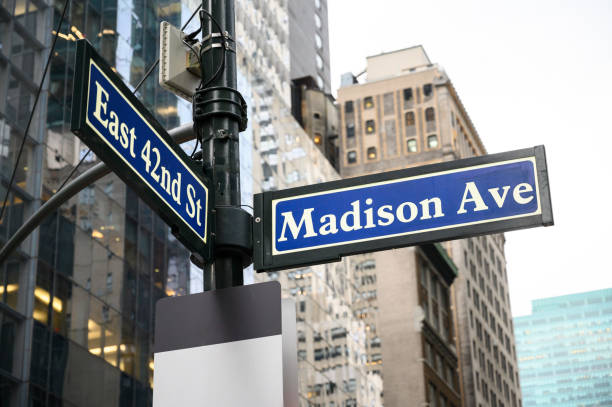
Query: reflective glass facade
point(564, 351)
point(77, 298)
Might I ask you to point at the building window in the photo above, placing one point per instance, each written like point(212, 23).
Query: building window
point(318, 4)
point(348, 107)
point(433, 395)
point(430, 114)
point(316, 115)
point(371, 153)
point(317, 21)
point(408, 94)
point(427, 90)
point(109, 281)
point(320, 82)
point(370, 127)
point(412, 145)
point(430, 119)
point(319, 62)
point(351, 157)
point(368, 102)
point(350, 131)
point(409, 119)
point(432, 141)
point(318, 138)
point(318, 41)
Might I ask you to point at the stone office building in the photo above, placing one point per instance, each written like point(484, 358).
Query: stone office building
point(408, 113)
point(415, 327)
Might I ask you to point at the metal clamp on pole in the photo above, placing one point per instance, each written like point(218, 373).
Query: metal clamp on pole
point(234, 233)
point(219, 101)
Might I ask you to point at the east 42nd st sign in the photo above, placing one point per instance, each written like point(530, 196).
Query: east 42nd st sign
point(122, 132)
point(451, 200)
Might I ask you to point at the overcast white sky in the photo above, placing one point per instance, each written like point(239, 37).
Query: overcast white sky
point(529, 73)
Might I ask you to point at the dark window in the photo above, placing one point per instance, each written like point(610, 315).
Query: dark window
point(316, 115)
point(408, 94)
point(409, 119)
point(42, 293)
point(40, 355)
point(348, 107)
point(351, 157)
point(350, 130)
point(370, 127)
point(371, 153)
point(8, 327)
point(368, 102)
point(427, 90)
point(430, 114)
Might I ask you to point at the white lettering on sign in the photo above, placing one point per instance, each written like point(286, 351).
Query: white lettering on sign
point(472, 190)
point(295, 228)
point(386, 215)
point(499, 200)
point(351, 219)
point(471, 194)
point(518, 191)
point(194, 208)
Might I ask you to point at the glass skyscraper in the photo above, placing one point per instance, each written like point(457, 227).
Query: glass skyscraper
point(77, 298)
point(564, 350)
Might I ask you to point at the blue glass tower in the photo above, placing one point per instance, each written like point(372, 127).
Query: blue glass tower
point(564, 350)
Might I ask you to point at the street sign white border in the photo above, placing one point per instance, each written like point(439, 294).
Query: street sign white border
point(275, 202)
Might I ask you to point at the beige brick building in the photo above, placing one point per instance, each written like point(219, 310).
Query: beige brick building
point(408, 113)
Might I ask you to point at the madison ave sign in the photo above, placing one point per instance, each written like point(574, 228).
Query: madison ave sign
point(311, 224)
point(122, 132)
point(451, 200)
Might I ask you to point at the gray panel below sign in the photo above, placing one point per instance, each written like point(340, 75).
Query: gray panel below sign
point(223, 348)
point(241, 373)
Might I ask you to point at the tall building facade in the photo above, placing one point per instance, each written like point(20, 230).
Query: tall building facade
point(420, 364)
point(564, 350)
point(317, 112)
point(309, 41)
point(77, 298)
point(312, 104)
point(408, 113)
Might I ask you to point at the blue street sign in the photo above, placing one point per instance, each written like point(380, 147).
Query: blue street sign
point(120, 130)
point(444, 201)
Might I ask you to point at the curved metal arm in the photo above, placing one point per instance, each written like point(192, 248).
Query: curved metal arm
point(180, 134)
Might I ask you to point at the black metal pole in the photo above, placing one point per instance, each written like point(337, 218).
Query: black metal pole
point(219, 116)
